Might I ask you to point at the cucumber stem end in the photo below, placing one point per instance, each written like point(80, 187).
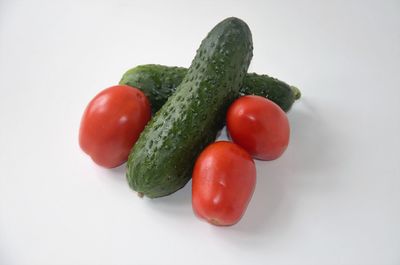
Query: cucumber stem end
point(296, 92)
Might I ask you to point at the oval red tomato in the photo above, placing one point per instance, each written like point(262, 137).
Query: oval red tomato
point(258, 125)
point(223, 182)
point(111, 124)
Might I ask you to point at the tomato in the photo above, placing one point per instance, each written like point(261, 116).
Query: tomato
point(111, 124)
point(258, 125)
point(223, 182)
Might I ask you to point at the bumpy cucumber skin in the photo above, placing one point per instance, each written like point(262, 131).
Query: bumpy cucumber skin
point(271, 88)
point(158, 82)
point(162, 159)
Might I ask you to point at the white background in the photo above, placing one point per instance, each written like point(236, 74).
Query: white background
point(332, 198)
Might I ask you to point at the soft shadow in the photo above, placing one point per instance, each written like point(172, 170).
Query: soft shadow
point(300, 169)
point(280, 183)
point(180, 197)
point(178, 203)
point(118, 173)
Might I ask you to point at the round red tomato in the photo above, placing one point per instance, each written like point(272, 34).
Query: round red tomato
point(258, 125)
point(223, 182)
point(111, 124)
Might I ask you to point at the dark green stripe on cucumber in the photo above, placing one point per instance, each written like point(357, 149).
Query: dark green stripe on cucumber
point(162, 159)
point(159, 82)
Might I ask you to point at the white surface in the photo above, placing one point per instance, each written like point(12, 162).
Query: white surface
point(333, 198)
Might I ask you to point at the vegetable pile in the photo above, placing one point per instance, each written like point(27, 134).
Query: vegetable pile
point(164, 120)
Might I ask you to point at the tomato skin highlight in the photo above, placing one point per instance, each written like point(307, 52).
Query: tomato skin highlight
point(223, 183)
point(111, 124)
point(258, 125)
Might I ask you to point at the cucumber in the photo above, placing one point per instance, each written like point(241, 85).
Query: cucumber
point(162, 159)
point(158, 82)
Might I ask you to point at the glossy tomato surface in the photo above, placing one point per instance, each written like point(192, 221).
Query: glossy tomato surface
point(258, 125)
point(223, 183)
point(111, 124)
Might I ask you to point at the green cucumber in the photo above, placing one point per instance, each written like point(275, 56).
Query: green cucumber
point(158, 82)
point(162, 159)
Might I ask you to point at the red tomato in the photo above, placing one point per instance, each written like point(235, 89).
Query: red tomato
point(111, 124)
point(223, 182)
point(258, 125)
